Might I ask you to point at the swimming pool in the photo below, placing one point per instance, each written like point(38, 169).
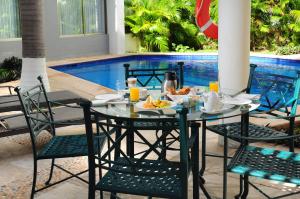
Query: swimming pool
point(198, 69)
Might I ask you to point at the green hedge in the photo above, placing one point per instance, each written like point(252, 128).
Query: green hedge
point(10, 69)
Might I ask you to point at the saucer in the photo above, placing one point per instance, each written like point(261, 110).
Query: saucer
point(224, 108)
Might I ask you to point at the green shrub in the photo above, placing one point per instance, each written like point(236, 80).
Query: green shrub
point(288, 50)
point(10, 69)
point(181, 48)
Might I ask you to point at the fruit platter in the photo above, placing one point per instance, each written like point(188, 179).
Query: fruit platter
point(151, 104)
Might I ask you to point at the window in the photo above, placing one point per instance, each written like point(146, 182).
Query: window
point(81, 16)
point(9, 19)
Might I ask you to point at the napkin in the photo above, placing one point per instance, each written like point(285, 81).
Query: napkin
point(109, 97)
point(99, 102)
point(105, 102)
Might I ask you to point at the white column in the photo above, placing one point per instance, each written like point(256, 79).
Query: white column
point(234, 43)
point(115, 26)
point(234, 49)
point(31, 69)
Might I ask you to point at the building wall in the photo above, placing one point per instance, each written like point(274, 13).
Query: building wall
point(58, 47)
point(115, 26)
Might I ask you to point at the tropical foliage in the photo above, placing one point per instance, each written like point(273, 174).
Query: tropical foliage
point(275, 23)
point(167, 25)
point(10, 69)
point(162, 25)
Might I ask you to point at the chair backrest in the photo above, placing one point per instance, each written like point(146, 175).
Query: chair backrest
point(118, 130)
point(150, 77)
point(278, 92)
point(37, 111)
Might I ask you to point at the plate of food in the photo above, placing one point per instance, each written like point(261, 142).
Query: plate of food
point(151, 104)
point(183, 91)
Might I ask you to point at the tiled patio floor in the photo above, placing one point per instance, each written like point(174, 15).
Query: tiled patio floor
point(16, 172)
point(16, 160)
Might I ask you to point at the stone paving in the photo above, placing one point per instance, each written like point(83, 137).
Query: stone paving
point(16, 160)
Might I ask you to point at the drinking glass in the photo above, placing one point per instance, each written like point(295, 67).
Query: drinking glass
point(134, 94)
point(131, 82)
point(214, 86)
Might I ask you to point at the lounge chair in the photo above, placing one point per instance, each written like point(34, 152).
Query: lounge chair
point(64, 115)
point(12, 103)
point(10, 89)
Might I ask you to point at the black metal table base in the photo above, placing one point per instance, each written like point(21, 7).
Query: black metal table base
point(202, 187)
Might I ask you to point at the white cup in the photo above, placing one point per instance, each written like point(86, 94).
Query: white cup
point(131, 82)
point(212, 102)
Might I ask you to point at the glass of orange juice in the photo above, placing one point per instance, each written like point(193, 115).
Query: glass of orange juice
point(134, 94)
point(214, 86)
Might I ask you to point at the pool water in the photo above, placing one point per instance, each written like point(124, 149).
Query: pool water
point(198, 69)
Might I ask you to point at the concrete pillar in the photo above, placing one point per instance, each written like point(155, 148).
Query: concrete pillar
point(234, 50)
point(234, 43)
point(115, 26)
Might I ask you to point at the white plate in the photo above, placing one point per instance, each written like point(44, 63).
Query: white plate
point(236, 101)
point(140, 104)
point(248, 96)
point(177, 98)
point(109, 97)
point(223, 109)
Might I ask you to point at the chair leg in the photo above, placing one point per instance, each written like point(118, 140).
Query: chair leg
point(100, 176)
point(34, 178)
point(164, 146)
point(113, 195)
point(195, 162)
point(241, 188)
point(225, 167)
point(51, 172)
point(246, 188)
point(203, 157)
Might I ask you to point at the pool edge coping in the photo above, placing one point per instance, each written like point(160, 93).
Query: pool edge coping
point(68, 61)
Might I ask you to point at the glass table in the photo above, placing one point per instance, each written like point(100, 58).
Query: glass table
point(128, 111)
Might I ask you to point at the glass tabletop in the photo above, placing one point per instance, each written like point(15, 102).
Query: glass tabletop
point(196, 113)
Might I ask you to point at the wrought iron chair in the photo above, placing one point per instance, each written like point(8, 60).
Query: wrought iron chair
point(40, 118)
point(278, 94)
point(9, 88)
point(265, 163)
point(279, 100)
point(149, 78)
point(143, 175)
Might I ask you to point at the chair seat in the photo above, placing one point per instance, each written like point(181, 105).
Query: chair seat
point(267, 163)
point(234, 131)
point(67, 146)
point(124, 179)
point(146, 125)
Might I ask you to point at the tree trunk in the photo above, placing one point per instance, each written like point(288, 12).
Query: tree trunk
point(33, 48)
